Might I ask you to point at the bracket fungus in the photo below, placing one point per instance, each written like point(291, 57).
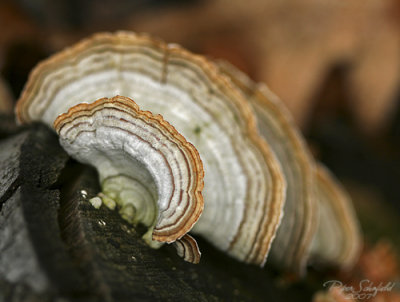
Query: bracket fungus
point(144, 164)
point(258, 174)
point(290, 248)
point(319, 216)
point(337, 241)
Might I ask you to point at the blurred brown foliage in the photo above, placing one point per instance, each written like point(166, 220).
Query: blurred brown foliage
point(378, 267)
point(293, 45)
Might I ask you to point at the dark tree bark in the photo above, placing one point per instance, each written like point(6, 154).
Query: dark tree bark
point(54, 246)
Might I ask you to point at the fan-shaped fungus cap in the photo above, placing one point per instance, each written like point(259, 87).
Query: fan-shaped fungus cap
point(319, 223)
point(290, 249)
point(338, 240)
point(244, 188)
point(187, 248)
point(144, 164)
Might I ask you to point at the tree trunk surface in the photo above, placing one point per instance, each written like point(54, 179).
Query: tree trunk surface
point(54, 246)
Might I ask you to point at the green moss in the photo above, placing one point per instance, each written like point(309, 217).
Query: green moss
point(197, 130)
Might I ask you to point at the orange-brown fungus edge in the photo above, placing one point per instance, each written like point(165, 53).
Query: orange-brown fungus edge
point(198, 205)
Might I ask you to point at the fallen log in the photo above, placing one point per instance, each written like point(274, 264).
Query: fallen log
point(54, 244)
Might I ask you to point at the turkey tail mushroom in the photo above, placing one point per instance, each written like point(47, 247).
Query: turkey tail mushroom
point(144, 164)
point(244, 189)
point(337, 241)
point(319, 216)
point(290, 248)
point(259, 177)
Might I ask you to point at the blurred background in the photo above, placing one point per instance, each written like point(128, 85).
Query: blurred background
point(334, 63)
